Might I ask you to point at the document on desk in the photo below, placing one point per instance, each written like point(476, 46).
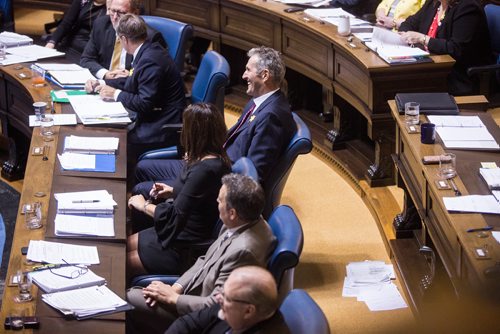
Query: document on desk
point(60, 279)
point(472, 203)
point(91, 109)
point(86, 302)
point(491, 176)
point(85, 202)
point(84, 225)
point(91, 145)
point(463, 132)
point(12, 39)
point(312, 3)
point(333, 15)
point(15, 59)
point(59, 119)
point(37, 51)
point(389, 46)
point(60, 253)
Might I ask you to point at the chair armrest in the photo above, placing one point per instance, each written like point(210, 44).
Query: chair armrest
point(472, 71)
point(145, 280)
point(162, 153)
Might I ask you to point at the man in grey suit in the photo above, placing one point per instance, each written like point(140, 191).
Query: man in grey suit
point(245, 239)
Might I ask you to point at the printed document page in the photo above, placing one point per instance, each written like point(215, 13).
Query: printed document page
point(34, 51)
point(93, 110)
point(94, 144)
point(58, 253)
point(60, 279)
point(67, 225)
point(473, 203)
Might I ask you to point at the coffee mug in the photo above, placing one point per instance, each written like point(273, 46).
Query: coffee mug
point(427, 133)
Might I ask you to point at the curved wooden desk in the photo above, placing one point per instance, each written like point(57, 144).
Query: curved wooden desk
point(40, 176)
point(314, 50)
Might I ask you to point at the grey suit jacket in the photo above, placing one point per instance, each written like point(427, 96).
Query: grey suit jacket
point(252, 244)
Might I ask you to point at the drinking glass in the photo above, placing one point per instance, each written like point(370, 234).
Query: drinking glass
point(447, 166)
point(37, 79)
point(33, 216)
point(47, 127)
point(412, 112)
point(24, 284)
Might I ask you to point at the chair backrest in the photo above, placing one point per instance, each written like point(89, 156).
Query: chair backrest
point(290, 240)
point(175, 33)
point(245, 166)
point(302, 314)
point(301, 143)
point(211, 80)
point(493, 16)
point(2, 237)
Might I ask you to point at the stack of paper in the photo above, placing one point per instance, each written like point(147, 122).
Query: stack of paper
point(34, 51)
point(491, 176)
point(59, 253)
point(60, 279)
point(85, 213)
point(473, 203)
point(86, 302)
point(333, 15)
point(463, 132)
point(67, 76)
point(370, 281)
point(389, 46)
point(91, 109)
point(11, 39)
point(89, 154)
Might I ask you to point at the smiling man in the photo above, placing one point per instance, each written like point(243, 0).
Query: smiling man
point(103, 55)
point(261, 134)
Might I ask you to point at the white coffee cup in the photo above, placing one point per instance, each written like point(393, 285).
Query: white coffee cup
point(344, 26)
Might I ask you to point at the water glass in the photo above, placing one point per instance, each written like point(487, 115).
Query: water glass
point(447, 166)
point(47, 127)
point(344, 26)
point(24, 285)
point(37, 78)
point(412, 112)
point(33, 216)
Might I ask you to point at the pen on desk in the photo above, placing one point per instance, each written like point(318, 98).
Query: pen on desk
point(86, 201)
point(46, 150)
point(455, 188)
point(52, 109)
point(479, 229)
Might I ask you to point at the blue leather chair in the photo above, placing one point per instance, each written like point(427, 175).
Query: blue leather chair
point(490, 74)
point(303, 315)
point(175, 33)
point(301, 143)
point(288, 231)
point(2, 237)
point(208, 86)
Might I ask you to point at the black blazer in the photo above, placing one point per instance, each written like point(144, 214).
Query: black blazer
point(463, 34)
point(263, 138)
point(155, 91)
point(99, 50)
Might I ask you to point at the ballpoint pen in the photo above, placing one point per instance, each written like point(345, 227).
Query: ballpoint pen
point(86, 201)
point(479, 229)
point(455, 188)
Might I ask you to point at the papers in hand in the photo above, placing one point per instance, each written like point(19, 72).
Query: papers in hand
point(370, 281)
point(389, 46)
point(85, 302)
point(91, 109)
point(59, 279)
point(53, 252)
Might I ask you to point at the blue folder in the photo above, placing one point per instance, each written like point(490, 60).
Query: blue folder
point(103, 163)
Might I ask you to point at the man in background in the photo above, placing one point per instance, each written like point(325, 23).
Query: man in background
point(248, 304)
point(103, 55)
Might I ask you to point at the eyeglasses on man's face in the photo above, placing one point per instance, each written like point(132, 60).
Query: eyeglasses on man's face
point(233, 300)
point(116, 12)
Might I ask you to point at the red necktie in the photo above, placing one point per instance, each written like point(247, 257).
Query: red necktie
point(243, 120)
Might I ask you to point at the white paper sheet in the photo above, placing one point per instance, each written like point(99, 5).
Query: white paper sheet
point(34, 50)
point(106, 145)
point(472, 203)
point(59, 253)
point(59, 119)
point(70, 161)
point(66, 225)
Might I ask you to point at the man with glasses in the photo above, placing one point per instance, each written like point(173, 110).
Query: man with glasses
point(153, 90)
point(103, 55)
point(245, 239)
point(248, 304)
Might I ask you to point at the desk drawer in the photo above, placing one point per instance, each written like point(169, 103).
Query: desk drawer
point(352, 77)
point(444, 237)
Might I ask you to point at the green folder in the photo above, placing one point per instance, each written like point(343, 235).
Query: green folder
point(68, 92)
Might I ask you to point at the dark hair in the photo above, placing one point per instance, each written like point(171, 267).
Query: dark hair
point(245, 195)
point(203, 132)
point(132, 27)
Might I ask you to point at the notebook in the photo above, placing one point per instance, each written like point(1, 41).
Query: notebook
point(430, 103)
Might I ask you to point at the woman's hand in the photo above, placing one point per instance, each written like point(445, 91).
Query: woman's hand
point(161, 190)
point(412, 37)
point(137, 202)
point(385, 21)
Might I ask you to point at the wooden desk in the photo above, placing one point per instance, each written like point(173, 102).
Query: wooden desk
point(41, 176)
point(459, 274)
point(339, 78)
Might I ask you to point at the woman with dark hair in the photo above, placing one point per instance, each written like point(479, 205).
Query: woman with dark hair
point(454, 27)
point(73, 32)
point(187, 211)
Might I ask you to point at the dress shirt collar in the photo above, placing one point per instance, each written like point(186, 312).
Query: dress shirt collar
point(136, 52)
point(259, 100)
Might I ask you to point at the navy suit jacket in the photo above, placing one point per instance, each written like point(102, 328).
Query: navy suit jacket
point(206, 321)
point(99, 49)
point(265, 135)
point(154, 91)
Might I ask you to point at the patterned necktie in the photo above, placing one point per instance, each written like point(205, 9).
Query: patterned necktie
point(243, 120)
point(117, 52)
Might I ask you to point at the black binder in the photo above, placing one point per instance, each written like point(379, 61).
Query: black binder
point(430, 103)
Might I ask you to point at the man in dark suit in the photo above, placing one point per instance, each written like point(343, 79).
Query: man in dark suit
point(261, 134)
point(100, 50)
point(245, 239)
point(153, 90)
point(248, 304)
